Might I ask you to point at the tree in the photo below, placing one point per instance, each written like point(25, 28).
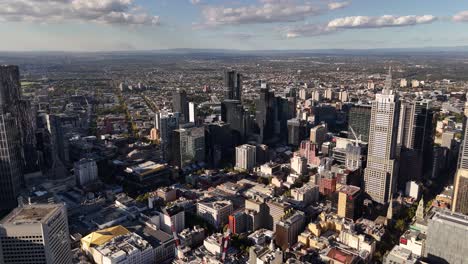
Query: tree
point(400, 225)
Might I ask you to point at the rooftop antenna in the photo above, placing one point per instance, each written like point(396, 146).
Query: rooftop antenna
point(388, 81)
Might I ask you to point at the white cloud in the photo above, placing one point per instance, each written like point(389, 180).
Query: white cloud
point(267, 11)
point(461, 16)
point(356, 22)
point(338, 5)
point(195, 2)
point(123, 12)
point(382, 21)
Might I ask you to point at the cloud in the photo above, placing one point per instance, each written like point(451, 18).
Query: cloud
point(123, 12)
point(195, 2)
point(267, 11)
point(461, 16)
point(338, 5)
point(356, 22)
point(382, 21)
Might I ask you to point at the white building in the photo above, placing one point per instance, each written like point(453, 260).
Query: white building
point(412, 190)
point(35, 234)
point(86, 171)
point(403, 83)
point(214, 244)
point(192, 112)
point(125, 249)
point(308, 193)
point(299, 165)
point(246, 157)
point(215, 212)
point(380, 174)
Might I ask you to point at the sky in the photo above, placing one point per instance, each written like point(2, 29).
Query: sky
point(115, 25)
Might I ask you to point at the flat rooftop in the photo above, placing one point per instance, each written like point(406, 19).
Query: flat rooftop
point(31, 214)
point(350, 190)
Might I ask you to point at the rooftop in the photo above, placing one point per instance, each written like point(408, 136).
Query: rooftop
point(350, 190)
point(31, 214)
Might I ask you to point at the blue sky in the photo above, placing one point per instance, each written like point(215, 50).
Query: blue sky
point(98, 25)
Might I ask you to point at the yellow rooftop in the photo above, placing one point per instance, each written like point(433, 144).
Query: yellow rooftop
point(101, 237)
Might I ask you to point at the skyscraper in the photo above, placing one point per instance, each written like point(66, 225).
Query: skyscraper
point(460, 193)
point(165, 123)
point(11, 101)
point(35, 234)
point(382, 167)
point(233, 85)
point(10, 158)
point(246, 157)
point(188, 145)
point(359, 120)
point(296, 131)
point(266, 114)
point(180, 104)
point(233, 113)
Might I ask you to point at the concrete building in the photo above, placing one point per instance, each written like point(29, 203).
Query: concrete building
point(192, 112)
point(215, 212)
point(167, 194)
point(447, 238)
point(307, 193)
point(35, 234)
point(288, 228)
point(318, 134)
point(381, 173)
point(85, 171)
point(299, 165)
point(399, 255)
point(246, 157)
point(349, 202)
point(460, 194)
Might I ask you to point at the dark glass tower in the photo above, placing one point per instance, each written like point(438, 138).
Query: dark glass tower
point(359, 120)
point(180, 104)
point(233, 113)
point(233, 85)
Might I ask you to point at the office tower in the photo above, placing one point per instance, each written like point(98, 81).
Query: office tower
point(415, 126)
point(233, 113)
point(299, 165)
point(11, 101)
point(356, 156)
point(328, 94)
point(325, 114)
point(296, 131)
point(308, 150)
point(276, 211)
point(286, 110)
point(381, 173)
point(349, 202)
point(165, 123)
point(266, 115)
point(359, 120)
point(180, 105)
point(460, 193)
point(447, 238)
point(246, 157)
point(219, 144)
point(318, 134)
point(85, 171)
point(343, 96)
point(188, 146)
point(289, 228)
point(304, 94)
point(11, 170)
point(35, 234)
point(233, 85)
point(316, 96)
point(192, 112)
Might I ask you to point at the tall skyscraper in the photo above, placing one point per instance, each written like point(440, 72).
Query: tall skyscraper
point(188, 145)
point(10, 170)
point(233, 85)
point(296, 131)
point(192, 112)
point(233, 113)
point(165, 123)
point(11, 101)
point(460, 193)
point(180, 104)
point(246, 157)
point(359, 120)
point(381, 172)
point(266, 114)
point(35, 234)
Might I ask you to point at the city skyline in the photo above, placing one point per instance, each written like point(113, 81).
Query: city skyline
point(122, 25)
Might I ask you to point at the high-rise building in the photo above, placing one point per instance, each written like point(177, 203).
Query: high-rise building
point(296, 131)
point(165, 123)
point(233, 113)
point(11, 101)
point(11, 170)
point(246, 157)
point(266, 115)
point(299, 165)
point(180, 104)
point(192, 112)
point(85, 171)
point(359, 120)
point(219, 143)
point(447, 238)
point(233, 85)
point(35, 234)
point(381, 173)
point(188, 145)
point(349, 202)
point(289, 228)
point(460, 193)
point(318, 134)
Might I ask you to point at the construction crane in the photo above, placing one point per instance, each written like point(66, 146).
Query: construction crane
point(226, 240)
point(358, 139)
